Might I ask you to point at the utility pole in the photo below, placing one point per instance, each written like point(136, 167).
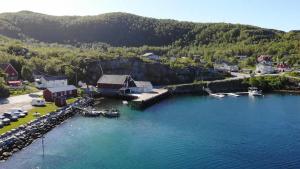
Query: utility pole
point(43, 146)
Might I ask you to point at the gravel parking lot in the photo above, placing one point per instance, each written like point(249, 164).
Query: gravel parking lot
point(22, 101)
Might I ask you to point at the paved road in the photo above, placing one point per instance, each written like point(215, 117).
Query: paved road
point(22, 101)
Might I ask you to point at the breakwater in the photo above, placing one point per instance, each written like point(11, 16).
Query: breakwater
point(24, 135)
point(218, 86)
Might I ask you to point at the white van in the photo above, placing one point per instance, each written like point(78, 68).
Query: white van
point(38, 102)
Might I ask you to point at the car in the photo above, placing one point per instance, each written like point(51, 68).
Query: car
point(17, 111)
point(38, 102)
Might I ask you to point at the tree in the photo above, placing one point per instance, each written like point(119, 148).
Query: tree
point(26, 73)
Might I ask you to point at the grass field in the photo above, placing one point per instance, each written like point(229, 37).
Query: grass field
point(28, 89)
point(42, 110)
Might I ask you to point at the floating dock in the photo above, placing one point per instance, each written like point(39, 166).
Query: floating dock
point(144, 100)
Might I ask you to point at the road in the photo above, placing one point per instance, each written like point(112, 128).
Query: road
point(22, 101)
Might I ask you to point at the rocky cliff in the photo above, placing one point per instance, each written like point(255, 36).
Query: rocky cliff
point(157, 73)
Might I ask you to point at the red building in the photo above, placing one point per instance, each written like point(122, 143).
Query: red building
point(10, 71)
point(283, 67)
point(50, 94)
point(114, 84)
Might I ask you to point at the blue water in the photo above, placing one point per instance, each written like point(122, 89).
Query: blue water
point(189, 132)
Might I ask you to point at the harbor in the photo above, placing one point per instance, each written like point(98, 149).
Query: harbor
point(144, 100)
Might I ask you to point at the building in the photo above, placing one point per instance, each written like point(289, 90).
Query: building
point(265, 65)
point(283, 67)
point(264, 58)
point(50, 94)
point(51, 81)
point(151, 56)
point(225, 67)
point(264, 68)
point(114, 84)
point(10, 71)
point(121, 84)
point(142, 87)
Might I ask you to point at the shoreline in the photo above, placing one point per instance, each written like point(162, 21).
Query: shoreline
point(21, 137)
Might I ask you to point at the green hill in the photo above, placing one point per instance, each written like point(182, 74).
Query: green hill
point(122, 29)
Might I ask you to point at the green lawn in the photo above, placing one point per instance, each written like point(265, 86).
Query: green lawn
point(28, 89)
point(42, 110)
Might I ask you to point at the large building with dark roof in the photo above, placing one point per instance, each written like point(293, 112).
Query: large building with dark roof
point(121, 84)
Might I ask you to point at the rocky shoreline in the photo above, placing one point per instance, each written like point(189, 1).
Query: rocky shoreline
point(19, 138)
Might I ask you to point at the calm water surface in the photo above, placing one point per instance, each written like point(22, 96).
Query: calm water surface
point(180, 132)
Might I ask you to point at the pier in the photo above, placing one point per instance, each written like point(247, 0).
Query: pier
point(144, 100)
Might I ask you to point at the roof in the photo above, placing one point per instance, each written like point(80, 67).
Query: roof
point(61, 88)
point(113, 79)
point(142, 83)
point(49, 78)
point(3, 66)
point(264, 58)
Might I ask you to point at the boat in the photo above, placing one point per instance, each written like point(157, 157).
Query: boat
point(217, 95)
point(125, 102)
point(92, 113)
point(253, 91)
point(233, 94)
point(111, 113)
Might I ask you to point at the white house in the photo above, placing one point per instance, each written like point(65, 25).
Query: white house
point(51, 81)
point(264, 68)
point(226, 67)
point(151, 56)
point(141, 87)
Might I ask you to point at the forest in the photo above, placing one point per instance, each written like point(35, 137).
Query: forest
point(37, 42)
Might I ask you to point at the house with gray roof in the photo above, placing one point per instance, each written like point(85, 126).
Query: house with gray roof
point(50, 94)
point(51, 81)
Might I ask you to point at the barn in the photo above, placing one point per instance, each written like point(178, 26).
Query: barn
point(56, 92)
point(10, 71)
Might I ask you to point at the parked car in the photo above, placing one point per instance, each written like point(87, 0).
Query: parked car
point(38, 102)
point(17, 111)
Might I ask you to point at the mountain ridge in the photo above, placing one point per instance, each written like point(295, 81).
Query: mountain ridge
point(125, 29)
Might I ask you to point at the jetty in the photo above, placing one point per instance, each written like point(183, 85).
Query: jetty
point(144, 100)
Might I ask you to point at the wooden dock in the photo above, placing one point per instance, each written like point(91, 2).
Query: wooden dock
point(144, 100)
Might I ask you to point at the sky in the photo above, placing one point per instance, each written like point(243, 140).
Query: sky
point(275, 14)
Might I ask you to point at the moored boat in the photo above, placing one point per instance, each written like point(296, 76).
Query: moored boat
point(253, 91)
point(111, 113)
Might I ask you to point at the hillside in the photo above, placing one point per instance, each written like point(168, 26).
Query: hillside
point(122, 29)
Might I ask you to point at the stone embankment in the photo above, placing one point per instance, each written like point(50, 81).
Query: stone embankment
point(218, 86)
point(18, 138)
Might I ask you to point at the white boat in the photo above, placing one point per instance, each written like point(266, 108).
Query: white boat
point(233, 94)
point(253, 91)
point(217, 95)
point(125, 102)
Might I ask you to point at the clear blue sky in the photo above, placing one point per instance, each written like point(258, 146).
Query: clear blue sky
point(277, 14)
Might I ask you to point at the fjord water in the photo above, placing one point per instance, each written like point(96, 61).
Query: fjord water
point(180, 132)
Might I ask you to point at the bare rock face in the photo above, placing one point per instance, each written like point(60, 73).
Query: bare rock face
point(157, 73)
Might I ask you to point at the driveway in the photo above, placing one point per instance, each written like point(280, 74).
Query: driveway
point(22, 101)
